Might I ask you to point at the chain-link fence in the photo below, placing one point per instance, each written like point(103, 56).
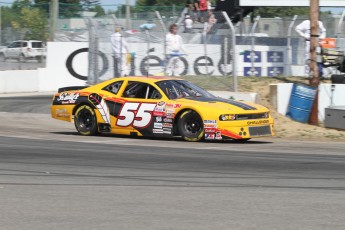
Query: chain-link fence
point(203, 47)
point(262, 47)
point(272, 47)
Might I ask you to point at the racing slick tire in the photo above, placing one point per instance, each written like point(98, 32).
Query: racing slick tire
point(85, 121)
point(190, 126)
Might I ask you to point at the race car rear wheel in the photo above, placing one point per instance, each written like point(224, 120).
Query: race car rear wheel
point(190, 126)
point(85, 121)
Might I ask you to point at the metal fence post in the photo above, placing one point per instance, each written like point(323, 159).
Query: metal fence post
point(147, 32)
point(234, 50)
point(164, 38)
point(116, 21)
point(252, 52)
point(340, 24)
point(288, 62)
point(205, 45)
point(91, 72)
point(225, 72)
point(95, 61)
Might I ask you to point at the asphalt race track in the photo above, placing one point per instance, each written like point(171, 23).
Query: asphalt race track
point(52, 178)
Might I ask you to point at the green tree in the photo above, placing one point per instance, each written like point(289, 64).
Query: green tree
point(7, 16)
point(89, 4)
point(98, 9)
point(271, 12)
point(67, 8)
point(32, 22)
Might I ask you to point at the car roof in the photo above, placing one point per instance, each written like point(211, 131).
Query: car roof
point(148, 79)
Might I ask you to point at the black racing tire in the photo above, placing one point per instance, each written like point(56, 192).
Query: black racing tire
point(191, 126)
point(85, 121)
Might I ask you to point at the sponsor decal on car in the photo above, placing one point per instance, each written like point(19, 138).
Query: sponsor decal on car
point(158, 114)
point(68, 98)
point(218, 135)
point(209, 136)
point(170, 110)
point(258, 122)
point(167, 125)
point(157, 130)
point(161, 104)
point(158, 119)
point(158, 125)
point(168, 120)
point(175, 106)
point(101, 106)
point(210, 130)
point(159, 110)
point(62, 113)
point(170, 115)
point(167, 131)
point(210, 124)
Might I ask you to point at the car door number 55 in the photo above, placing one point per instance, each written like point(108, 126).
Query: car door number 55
point(135, 114)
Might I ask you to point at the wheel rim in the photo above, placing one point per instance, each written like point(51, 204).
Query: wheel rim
point(193, 126)
point(85, 120)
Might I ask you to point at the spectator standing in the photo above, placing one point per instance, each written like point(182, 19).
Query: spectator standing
point(211, 22)
point(203, 10)
point(188, 24)
point(120, 48)
point(303, 29)
point(175, 48)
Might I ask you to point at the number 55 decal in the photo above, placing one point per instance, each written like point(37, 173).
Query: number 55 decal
point(138, 114)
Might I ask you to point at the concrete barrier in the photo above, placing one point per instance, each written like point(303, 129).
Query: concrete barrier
point(23, 81)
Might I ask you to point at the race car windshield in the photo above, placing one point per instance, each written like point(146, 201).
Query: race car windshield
point(175, 89)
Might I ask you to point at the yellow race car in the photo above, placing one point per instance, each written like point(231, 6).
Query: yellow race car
point(159, 107)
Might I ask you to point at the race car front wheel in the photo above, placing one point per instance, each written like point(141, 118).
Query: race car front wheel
point(190, 126)
point(85, 121)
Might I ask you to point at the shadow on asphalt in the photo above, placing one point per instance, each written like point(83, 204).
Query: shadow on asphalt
point(176, 139)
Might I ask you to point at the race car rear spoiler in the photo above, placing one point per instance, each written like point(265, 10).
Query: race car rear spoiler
point(71, 88)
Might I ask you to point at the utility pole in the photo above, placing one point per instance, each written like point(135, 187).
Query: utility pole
point(128, 15)
point(54, 12)
point(314, 44)
point(0, 26)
